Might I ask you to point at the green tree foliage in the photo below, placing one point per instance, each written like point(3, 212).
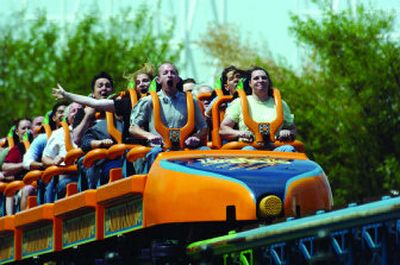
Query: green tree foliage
point(355, 94)
point(345, 99)
point(36, 55)
point(227, 47)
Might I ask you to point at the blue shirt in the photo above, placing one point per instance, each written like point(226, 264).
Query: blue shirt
point(35, 150)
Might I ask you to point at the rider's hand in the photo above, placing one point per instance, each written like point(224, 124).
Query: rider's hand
point(106, 142)
point(192, 142)
point(58, 92)
point(58, 160)
point(154, 140)
point(245, 136)
point(90, 112)
point(285, 136)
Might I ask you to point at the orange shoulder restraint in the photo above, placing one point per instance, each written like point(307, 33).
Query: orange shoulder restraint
point(174, 138)
point(262, 130)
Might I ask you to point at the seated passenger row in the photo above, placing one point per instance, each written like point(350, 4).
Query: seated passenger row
point(150, 113)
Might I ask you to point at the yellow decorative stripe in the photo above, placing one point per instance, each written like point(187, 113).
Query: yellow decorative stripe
point(37, 240)
point(79, 229)
point(6, 247)
point(123, 216)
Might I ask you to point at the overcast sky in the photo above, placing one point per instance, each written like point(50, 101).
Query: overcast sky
point(266, 22)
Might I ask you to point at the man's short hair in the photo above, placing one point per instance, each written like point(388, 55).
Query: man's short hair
point(101, 75)
point(189, 80)
point(55, 107)
point(173, 65)
point(224, 76)
point(53, 112)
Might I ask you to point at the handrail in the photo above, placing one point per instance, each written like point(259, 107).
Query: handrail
point(13, 187)
point(32, 176)
point(73, 155)
point(57, 170)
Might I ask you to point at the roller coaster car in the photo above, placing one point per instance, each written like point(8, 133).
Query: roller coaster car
point(218, 186)
point(186, 195)
point(228, 185)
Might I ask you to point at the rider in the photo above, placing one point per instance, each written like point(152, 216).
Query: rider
point(262, 109)
point(174, 114)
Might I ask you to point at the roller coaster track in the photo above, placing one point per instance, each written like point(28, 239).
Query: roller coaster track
point(358, 234)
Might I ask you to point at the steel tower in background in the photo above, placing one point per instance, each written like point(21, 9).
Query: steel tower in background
point(192, 17)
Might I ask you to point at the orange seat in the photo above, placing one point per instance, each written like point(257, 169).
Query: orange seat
point(102, 153)
point(113, 151)
point(13, 187)
point(32, 176)
point(72, 155)
point(26, 142)
point(262, 129)
point(133, 95)
point(118, 149)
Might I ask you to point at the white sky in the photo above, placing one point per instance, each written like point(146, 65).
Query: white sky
point(265, 22)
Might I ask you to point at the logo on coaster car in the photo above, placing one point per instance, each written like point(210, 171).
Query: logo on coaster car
point(234, 163)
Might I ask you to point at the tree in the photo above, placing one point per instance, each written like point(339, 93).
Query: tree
point(355, 92)
point(35, 56)
point(225, 45)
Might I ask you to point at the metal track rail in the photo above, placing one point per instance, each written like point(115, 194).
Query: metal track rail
point(334, 227)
